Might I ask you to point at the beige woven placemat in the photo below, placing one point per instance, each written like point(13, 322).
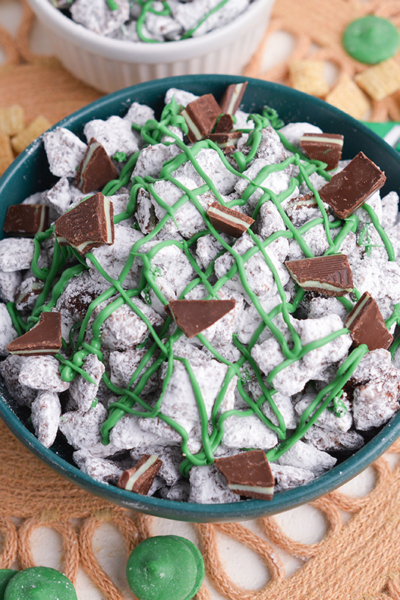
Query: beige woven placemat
point(359, 557)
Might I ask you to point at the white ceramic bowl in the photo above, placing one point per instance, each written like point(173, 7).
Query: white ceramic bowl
point(110, 65)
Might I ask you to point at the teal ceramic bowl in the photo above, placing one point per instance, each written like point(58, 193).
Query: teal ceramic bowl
point(30, 173)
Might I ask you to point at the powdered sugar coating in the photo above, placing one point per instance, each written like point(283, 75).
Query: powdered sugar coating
point(64, 150)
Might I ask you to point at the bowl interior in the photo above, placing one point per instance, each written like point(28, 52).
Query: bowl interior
point(30, 173)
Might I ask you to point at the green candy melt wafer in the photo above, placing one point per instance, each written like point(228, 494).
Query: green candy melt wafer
point(371, 40)
point(165, 568)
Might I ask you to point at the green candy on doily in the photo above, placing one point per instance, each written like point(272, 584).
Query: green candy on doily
point(165, 568)
point(371, 40)
point(39, 583)
point(5, 576)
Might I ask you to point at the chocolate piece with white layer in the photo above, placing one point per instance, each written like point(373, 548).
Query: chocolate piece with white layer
point(326, 147)
point(194, 316)
point(139, 478)
point(328, 275)
point(96, 168)
point(200, 116)
point(26, 219)
point(224, 124)
point(88, 225)
point(349, 189)
point(228, 221)
point(233, 97)
point(226, 141)
point(44, 338)
point(367, 325)
point(248, 474)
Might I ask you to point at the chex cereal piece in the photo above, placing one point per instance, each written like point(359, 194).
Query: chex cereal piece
point(303, 456)
point(59, 196)
point(208, 486)
point(128, 434)
point(43, 338)
point(7, 331)
point(349, 189)
point(390, 209)
point(6, 153)
point(328, 275)
point(331, 441)
point(78, 294)
point(9, 283)
point(232, 98)
point(96, 169)
point(308, 77)
point(46, 413)
point(328, 419)
point(200, 116)
point(248, 432)
point(179, 400)
point(347, 96)
point(194, 316)
point(139, 478)
point(10, 369)
point(229, 221)
point(42, 373)
point(26, 294)
point(114, 134)
point(248, 474)
point(82, 391)
point(380, 80)
point(82, 429)
point(210, 161)
point(373, 365)
point(152, 159)
point(375, 402)
point(124, 364)
point(139, 114)
point(100, 469)
point(178, 492)
point(88, 225)
point(97, 16)
point(182, 97)
point(124, 328)
point(367, 325)
point(27, 136)
point(16, 254)
point(287, 478)
point(64, 152)
point(113, 258)
point(26, 219)
point(12, 120)
point(326, 147)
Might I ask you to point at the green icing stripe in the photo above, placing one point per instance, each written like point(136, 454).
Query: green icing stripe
point(158, 345)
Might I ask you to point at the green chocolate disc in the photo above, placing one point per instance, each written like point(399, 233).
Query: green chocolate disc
point(165, 568)
point(40, 583)
point(371, 40)
point(5, 576)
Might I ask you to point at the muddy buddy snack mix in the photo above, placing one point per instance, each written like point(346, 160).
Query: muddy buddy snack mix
point(152, 22)
point(203, 323)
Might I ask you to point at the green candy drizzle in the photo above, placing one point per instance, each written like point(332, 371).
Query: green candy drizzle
point(159, 347)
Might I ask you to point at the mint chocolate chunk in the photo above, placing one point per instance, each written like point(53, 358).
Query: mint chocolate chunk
point(367, 325)
point(228, 221)
point(96, 168)
point(233, 97)
point(194, 316)
point(27, 219)
point(139, 478)
point(248, 474)
point(200, 116)
point(88, 225)
point(326, 147)
point(349, 189)
point(43, 338)
point(328, 275)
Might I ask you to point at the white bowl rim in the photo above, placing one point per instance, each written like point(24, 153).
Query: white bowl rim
point(129, 51)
